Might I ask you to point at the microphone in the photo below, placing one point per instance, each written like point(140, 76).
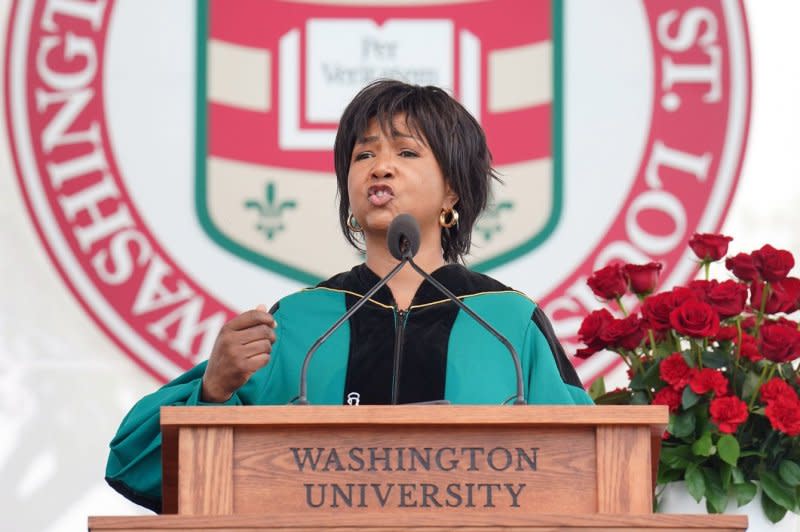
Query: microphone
point(403, 245)
point(403, 237)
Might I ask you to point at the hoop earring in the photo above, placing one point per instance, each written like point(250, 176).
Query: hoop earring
point(453, 218)
point(352, 224)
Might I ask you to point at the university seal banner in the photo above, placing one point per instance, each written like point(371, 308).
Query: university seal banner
point(175, 157)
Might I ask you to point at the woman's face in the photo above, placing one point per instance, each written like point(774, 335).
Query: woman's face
point(394, 175)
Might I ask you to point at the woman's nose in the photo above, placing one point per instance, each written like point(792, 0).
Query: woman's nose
point(382, 166)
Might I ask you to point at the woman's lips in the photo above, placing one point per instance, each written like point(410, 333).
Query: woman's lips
point(380, 195)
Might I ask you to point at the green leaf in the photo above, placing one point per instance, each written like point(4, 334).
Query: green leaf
point(647, 380)
point(790, 473)
point(744, 493)
point(676, 457)
point(738, 476)
point(772, 509)
point(777, 490)
point(639, 398)
point(737, 379)
point(665, 476)
point(728, 449)
point(750, 385)
point(663, 350)
point(716, 497)
point(716, 359)
point(637, 382)
point(681, 425)
point(597, 388)
point(725, 475)
point(695, 484)
point(689, 398)
point(760, 454)
point(614, 397)
point(703, 446)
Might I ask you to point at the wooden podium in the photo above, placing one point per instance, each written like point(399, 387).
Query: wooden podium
point(432, 467)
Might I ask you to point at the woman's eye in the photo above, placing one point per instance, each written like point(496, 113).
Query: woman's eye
point(362, 155)
point(408, 153)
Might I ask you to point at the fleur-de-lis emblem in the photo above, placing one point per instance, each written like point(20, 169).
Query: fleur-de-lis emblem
point(489, 223)
point(270, 220)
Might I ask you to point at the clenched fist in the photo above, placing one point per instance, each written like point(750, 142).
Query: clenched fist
point(242, 348)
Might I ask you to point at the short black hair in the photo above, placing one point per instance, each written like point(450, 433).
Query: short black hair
point(453, 135)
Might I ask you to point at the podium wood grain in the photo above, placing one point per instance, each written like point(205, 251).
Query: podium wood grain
point(205, 478)
point(582, 459)
point(537, 523)
point(432, 467)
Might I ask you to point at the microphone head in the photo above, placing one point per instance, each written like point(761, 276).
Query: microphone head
point(403, 237)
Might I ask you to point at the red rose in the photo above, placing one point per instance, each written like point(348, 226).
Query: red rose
point(668, 396)
point(728, 413)
point(784, 296)
point(695, 318)
point(709, 247)
point(643, 278)
point(701, 289)
point(675, 371)
point(585, 352)
point(591, 328)
point(682, 294)
point(728, 298)
point(608, 282)
point(749, 348)
point(708, 380)
point(626, 333)
point(779, 342)
point(776, 388)
point(789, 289)
point(773, 264)
point(656, 309)
point(742, 266)
point(774, 302)
point(785, 321)
point(784, 415)
point(727, 334)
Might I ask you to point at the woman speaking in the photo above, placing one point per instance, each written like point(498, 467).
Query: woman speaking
point(400, 149)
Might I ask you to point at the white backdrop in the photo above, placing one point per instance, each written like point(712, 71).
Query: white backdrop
point(64, 386)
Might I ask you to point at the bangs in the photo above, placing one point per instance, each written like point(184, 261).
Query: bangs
point(386, 114)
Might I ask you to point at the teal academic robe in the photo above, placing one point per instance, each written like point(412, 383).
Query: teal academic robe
point(446, 355)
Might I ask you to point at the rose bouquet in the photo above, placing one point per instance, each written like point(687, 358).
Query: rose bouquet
point(721, 354)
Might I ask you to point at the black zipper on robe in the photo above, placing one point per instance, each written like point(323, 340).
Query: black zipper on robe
point(400, 318)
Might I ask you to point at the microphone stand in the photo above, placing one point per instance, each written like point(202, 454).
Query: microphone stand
point(302, 398)
point(520, 397)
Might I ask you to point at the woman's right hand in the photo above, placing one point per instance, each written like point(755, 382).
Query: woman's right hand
point(242, 347)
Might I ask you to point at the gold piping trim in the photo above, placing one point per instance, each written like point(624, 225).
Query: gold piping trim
point(356, 294)
point(438, 301)
point(423, 305)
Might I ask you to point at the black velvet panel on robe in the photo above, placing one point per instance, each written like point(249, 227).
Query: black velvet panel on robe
point(376, 328)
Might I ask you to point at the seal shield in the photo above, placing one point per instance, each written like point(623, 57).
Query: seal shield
point(274, 77)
